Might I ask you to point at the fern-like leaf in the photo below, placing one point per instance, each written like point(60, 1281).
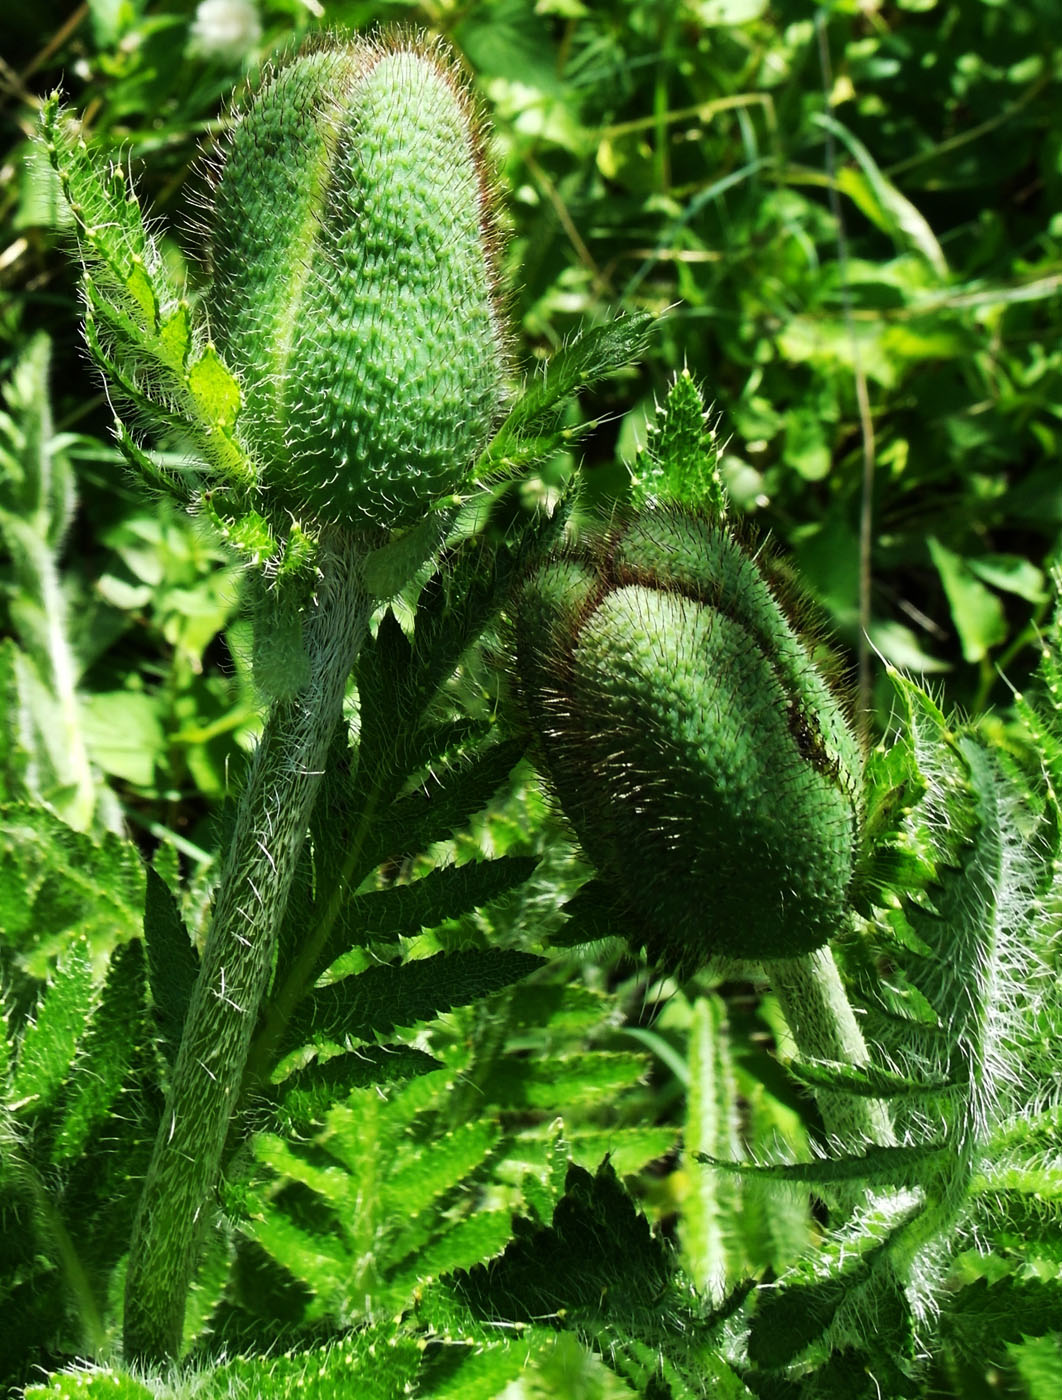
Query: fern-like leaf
point(374, 1002)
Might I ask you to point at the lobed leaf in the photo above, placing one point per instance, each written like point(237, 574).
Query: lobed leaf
point(403, 994)
point(51, 1039)
point(107, 1054)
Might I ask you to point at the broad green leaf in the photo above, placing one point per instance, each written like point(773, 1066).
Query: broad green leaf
point(1010, 573)
point(975, 609)
point(124, 734)
point(806, 446)
point(725, 12)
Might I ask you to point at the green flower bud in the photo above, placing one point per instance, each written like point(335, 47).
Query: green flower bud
point(354, 289)
point(702, 760)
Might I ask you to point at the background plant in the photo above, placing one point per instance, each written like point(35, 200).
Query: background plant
point(652, 154)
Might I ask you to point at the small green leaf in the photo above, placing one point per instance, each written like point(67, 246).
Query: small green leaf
point(138, 285)
point(806, 446)
point(213, 389)
point(681, 459)
point(175, 336)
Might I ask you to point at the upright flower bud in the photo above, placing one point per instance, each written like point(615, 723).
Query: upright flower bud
point(703, 762)
point(354, 289)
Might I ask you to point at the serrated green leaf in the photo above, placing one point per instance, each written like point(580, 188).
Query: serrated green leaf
point(794, 1315)
point(597, 1266)
point(879, 1166)
point(1038, 1361)
point(593, 914)
point(479, 1370)
point(107, 1053)
point(138, 285)
point(376, 1001)
point(443, 894)
point(175, 336)
point(90, 1385)
point(438, 810)
point(309, 1093)
point(373, 1363)
point(55, 881)
point(1005, 1311)
point(866, 1081)
point(213, 389)
point(51, 1038)
point(589, 357)
point(680, 461)
point(594, 1076)
point(412, 1187)
point(332, 1183)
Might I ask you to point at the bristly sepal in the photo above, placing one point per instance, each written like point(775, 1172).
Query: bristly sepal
point(704, 763)
point(354, 282)
point(679, 463)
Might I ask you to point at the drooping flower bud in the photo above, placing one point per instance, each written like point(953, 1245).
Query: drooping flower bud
point(354, 290)
point(706, 767)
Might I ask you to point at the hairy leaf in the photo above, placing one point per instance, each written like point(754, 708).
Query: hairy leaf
point(376, 1001)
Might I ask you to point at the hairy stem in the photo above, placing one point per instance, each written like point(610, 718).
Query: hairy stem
point(823, 1025)
point(270, 829)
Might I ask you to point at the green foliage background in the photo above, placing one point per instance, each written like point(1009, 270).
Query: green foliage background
point(852, 216)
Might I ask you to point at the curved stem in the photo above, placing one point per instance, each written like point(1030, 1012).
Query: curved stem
point(823, 1025)
point(271, 825)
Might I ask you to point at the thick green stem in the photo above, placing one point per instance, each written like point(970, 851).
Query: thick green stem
point(823, 1025)
point(271, 825)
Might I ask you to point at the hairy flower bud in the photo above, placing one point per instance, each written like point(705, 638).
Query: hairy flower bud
point(706, 767)
point(353, 282)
